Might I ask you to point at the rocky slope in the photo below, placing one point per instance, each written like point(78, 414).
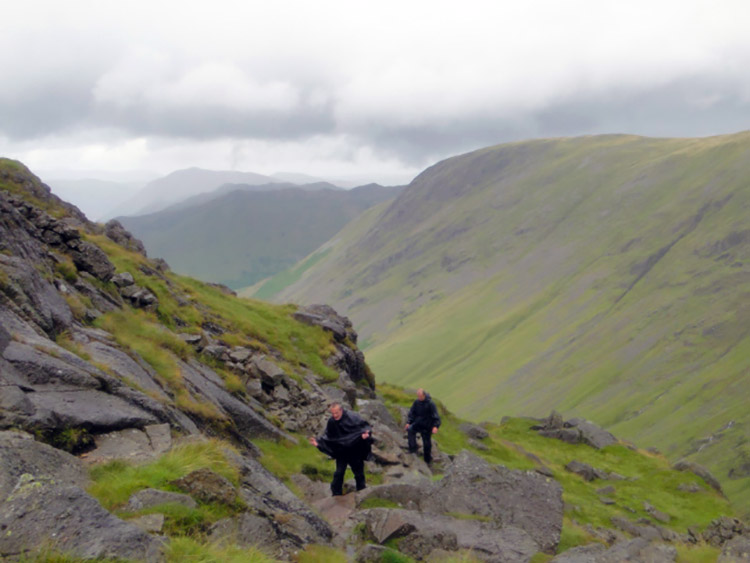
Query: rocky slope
point(146, 416)
point(605, 277)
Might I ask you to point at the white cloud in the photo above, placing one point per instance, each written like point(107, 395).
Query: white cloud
point(159, 83)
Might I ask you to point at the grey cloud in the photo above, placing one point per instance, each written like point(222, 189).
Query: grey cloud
point(216, 122)
point(45, 109)
point(671, 110)
point(57, 107)
point(691, 106)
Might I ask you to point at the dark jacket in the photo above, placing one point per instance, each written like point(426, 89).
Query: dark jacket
point(343, 437)
point(423, 415)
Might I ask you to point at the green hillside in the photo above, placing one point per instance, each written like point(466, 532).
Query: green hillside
point(602, 276)
point(243, 237)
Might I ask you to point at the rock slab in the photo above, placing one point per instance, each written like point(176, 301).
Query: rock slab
point(21, 455)
point(66, 518)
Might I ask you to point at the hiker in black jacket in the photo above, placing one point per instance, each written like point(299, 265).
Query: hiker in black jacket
point(348, 440)
point(424, 419)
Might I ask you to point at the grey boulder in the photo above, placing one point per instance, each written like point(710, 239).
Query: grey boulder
point(21, 455)
point(526, 500)
point(700, 471)
point(736, 549)
point(246, 530)
point(66, 518)
point(433, 532)
point(149, 498)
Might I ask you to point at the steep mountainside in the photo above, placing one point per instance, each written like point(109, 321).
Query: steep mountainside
point(606, 277)
point(243, 236)
point(146, 416)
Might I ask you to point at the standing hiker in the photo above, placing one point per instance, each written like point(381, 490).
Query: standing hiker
point(425, 420)
point(348, 440)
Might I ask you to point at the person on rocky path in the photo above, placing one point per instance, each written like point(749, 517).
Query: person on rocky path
point(348, 440)
point(423, 419)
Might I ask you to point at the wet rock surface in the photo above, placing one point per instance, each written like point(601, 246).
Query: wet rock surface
point(525, 500)
point(132, 444)
point(68, 519)
point(431, 531)
point(149, 498)
point(736, 549)
point(207, 486)
point(21, 455)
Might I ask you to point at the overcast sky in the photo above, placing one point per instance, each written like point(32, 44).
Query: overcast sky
point(347, 88)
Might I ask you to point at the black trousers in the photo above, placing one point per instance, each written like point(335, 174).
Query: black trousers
point(358, 468)
point(426, 441)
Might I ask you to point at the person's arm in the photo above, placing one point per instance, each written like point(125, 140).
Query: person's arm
point(317, 441)
point(362, 425)
point(435, 418)
point(410, 416)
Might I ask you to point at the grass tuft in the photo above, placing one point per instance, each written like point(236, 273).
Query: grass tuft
point(114, 482)
point(182, 549)
point(321, 554)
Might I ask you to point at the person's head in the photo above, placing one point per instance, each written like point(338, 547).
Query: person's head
point(337, 410)
point(421, 394)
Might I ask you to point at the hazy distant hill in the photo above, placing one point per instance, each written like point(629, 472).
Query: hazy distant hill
point(93, 196)
point(228, 188)
point(602, 276)
point(301, 179)
point(244, 236)
point(180, 185)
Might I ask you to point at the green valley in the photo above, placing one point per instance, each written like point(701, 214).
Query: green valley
point(242, 236)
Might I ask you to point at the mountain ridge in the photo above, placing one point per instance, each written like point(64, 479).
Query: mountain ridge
point(181, 184)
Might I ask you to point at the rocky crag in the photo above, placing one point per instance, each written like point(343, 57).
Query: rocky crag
point(144, 415)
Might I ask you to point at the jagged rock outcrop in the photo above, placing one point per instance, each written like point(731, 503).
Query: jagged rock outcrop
point(586, 471)
point(498, 513)
point(52, 390)
point(131, 444)
point(117, 233)
point(268, 497)
point(247, 530)
point(19, 215)
point(724, 529)
point(574, 431)
point(207, 486)
point(700, 471)
point(43, 503)
point(347, 359)
point(638, 549)
point(525, 500)
point(735, 550)
point(422, 533)
point(21, 455)
point(66, 518)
